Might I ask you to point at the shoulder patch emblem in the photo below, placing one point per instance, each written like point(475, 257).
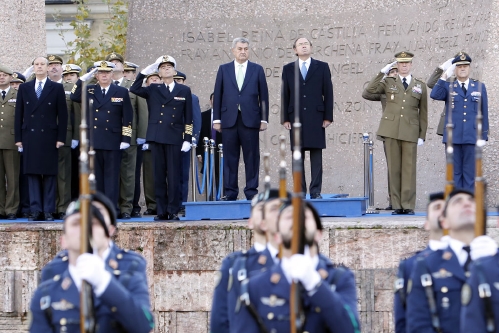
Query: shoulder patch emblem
point(44, 302)
point(465, 294)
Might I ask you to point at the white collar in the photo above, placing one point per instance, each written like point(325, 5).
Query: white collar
point(244, 64)
point(76, 278)
point(6, 90)
point(466, 83)
point(259, 247)
point(42, 81)
point(307, 62)
point(435, 245)
point(273, 252)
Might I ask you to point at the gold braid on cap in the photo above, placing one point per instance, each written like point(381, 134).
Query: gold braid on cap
point(188, 129)
point(127, 131)
point(68, 68)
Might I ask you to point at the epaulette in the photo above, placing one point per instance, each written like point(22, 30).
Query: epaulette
point(474, 80)
point(418, 79)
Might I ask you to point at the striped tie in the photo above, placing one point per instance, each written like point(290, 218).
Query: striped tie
point(39, 90)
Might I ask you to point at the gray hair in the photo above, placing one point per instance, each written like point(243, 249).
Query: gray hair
point(240, 40)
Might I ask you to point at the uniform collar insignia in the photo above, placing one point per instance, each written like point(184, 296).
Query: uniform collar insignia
point(113, 264)
point(66, 283)
point(262, 259)
point(275, 278)
point(273, 301)
point(447, 255)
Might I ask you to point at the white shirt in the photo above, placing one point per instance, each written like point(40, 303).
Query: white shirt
point(37, 83)
point(407, 79)
point(170, 86)
point(457, 247)
point(259, 247)
point(6, 91)
point(273, 252)
point(466, 84)
point(105, 88)
point(120, 80)
point(236, 67)
point(435, 245)
point(307, 63)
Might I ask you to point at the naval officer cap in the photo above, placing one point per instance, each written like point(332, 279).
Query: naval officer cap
point(71, 68)
point(130, 66)
point(180, 75)
point(54, 59)
point(18, 77)
point(462, 58)
point(6, 70)
point(166, 59)
point(104, 66)
point(404, 56)
point(115, 56)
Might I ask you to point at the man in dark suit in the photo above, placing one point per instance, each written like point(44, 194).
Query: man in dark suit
point(110, 120)
point(40, 129)
point(169, 132)
point(240, 109)
point(316, 108)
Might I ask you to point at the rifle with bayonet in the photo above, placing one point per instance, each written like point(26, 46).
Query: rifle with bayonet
point(449, 148)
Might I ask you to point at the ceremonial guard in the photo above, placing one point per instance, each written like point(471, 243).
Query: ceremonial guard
point(316, 108)
point(118, 279)
point(434, 210)
point(139, 128)
point(329, 299)
point(434, 290)
point(169, 132)
point(110, 122)
point(464, 96)
point(40, 129)
point(403, 126)
point(9, 157)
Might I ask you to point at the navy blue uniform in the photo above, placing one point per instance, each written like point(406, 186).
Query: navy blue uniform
point(170, 124)
point(110, 122)
point(123, 307)
point(464, 108)
point(331, 308)
point(473, 311)
point(447, 278)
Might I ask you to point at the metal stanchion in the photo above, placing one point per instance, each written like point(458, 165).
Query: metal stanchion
point(206, 170)
point(213, 187)
point(220, 167)
point(194, 161)
point(371, 209)
point(368, 174)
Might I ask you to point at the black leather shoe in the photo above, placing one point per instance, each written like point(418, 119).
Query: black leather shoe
point(36, 216)
point(398, 212)
point(162, 217)
point(409, 211)
point(173, 217)
point(388, 208)
point(49, 217)
point(136, 214)
point(226, 198)
point(150, 212)
point(316, 196)
point(60, 216)
point(125, 216)
point(11, 216)
point(23, 215)
point(181, 211)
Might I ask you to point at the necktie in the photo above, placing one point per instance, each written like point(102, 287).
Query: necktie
point(464, 88)
point(167, 88)
point(103, 92)
point(404, 82)
point(39, 90)
point(303, 70)
point(240, 77)
point(3, 94)
point(468, 259)
point(117, 83)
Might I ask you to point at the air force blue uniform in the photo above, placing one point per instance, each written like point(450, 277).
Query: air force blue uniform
point(464, 108)
point(331, 308)
point(442, 272)
point(228, 286)
point(473, 312)
point(123, 307)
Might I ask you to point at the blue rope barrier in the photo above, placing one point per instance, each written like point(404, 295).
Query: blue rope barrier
point(201, 189)
point(219, 192)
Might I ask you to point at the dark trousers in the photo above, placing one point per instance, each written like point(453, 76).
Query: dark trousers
point(233, 139)
point(167, 164)
point(24, 204)
point(148, 180)
point(315, 186)
point(64, 179)
point(184, 175)
point(107, 173)
point(42, 193)
point(138, 168)
point(464, 166)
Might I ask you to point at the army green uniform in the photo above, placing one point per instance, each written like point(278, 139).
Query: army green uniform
point(435, 76)
point(72, 133)
point(404, 120)
point(129, 155)
point(9, 156)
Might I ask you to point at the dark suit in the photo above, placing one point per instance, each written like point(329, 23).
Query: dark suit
point(241, 113)
point(316, 105)
point(109, 119)
point(206, 132)
point(170, 124)
point(39, 124)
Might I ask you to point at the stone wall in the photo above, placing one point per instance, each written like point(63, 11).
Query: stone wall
point(356, 38)
point(183, 258)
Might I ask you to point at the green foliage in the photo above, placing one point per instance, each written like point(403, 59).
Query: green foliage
point(85, 50)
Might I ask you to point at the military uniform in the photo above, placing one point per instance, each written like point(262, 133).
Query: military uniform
point(330, 307)
point(439, 274)
point(464, 108)
point(123, 307)
point(403, 122)
point(435, 76)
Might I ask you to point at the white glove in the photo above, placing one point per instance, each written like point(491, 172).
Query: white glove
point(482, 246)
point(186, 146)
point(20, 149)
point(446, 64)
point(124, 145)
point(450, 71)
point(92, 268)
point(420, 142)
point(150, 69)
point(74, 144)
point(27, 73)
point(386, 69)
point(301, 268)
point(88, 75)
point(145, 146)
point(141, 141)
